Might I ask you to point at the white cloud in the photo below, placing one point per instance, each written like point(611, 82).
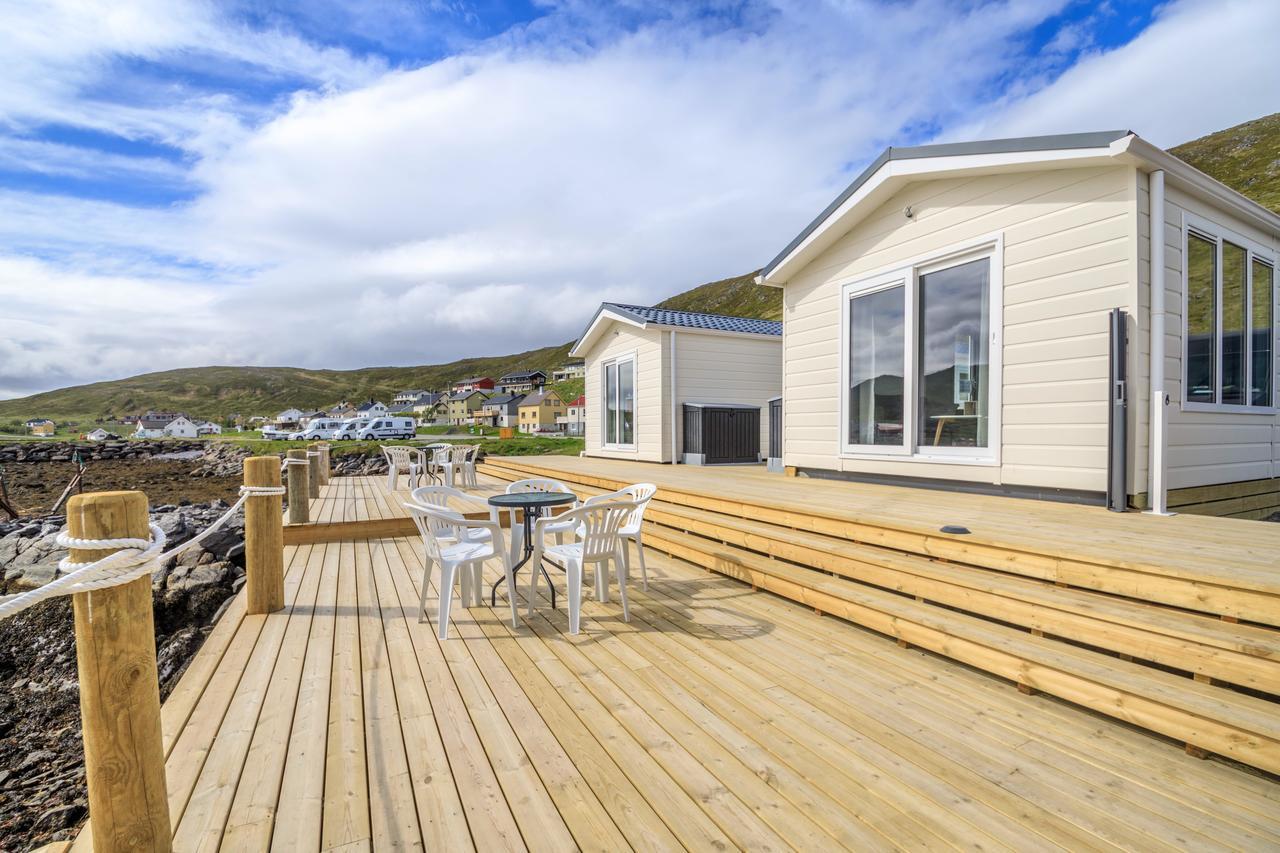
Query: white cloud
point(486, 203)
point(1201, 66)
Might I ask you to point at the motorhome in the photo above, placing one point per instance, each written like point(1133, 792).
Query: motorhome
point(318, 429)
point(390, 427)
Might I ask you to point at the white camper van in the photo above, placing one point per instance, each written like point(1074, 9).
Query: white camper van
point(318, 430)
point(351, 428)
point(382, 428)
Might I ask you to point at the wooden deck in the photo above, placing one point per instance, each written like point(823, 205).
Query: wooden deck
point(718, 717)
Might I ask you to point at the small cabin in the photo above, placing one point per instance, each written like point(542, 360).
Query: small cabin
point(643, 365)
point(992, 316)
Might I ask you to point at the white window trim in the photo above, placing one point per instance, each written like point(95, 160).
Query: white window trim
point(622, 358)
point(1211, 230)
point(908, 274)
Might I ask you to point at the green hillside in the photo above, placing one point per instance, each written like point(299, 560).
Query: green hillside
point(215, 392)
point(739, 296)
point(1245, 157)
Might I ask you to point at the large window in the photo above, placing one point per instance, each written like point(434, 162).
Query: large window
point(620, 403)
point(919, 374)
point(1229, 328)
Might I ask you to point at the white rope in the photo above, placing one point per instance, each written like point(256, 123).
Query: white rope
point(314, 453)
point(288, 462)
point(136, 557)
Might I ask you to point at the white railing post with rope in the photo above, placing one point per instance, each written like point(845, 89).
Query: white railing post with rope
point(299, 490)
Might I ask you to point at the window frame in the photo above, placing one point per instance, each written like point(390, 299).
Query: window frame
point(1217, 234)
point(617, 361)
point(989, 247)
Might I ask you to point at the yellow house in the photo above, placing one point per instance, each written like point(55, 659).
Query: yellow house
point(539, 411)
point(463, 406)
point(41, 427)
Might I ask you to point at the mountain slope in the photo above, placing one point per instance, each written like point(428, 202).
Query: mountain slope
point(1245, 157)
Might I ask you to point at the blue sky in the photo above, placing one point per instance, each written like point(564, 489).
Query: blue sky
point(186, 182)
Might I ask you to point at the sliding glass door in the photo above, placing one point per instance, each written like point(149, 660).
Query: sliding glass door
point(918, 368)
point(877, 364)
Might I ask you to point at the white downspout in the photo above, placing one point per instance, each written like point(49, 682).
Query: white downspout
point(672, 359)
point(1156, 496)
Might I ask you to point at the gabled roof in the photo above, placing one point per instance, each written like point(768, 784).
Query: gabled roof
point(538, 398)
point(646, 317)
point(503, 399)
point(519, 375)
point(897, 167)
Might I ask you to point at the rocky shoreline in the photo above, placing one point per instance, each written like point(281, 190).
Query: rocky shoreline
point(63, 451)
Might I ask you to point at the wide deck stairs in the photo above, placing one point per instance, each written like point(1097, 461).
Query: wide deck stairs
point(1195, 658)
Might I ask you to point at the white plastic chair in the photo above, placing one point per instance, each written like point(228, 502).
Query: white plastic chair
point(461, 460)
point(633, 529)
point(537, 484)
point(450, 542)
point(599, 544)
point(427, 457)
point(401, 460)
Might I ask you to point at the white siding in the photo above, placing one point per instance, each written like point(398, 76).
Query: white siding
point(728, 369)
point(651, 391)
point(1069, 258)
point(1203, 448)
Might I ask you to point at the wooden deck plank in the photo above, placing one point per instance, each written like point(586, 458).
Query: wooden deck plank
point(346, 782)
point(392, 806)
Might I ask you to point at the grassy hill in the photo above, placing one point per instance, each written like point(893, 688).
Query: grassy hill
point(1245, 157)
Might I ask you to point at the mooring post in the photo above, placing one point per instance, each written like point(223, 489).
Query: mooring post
point(119, 688)
point(314, 457)
point(299, 491)
point(263, 538)
point(324, 463)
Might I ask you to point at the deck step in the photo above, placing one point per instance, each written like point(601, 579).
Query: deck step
point(1239, 726)
point(1242, 597)
point(871, 588)
point(1244, 655)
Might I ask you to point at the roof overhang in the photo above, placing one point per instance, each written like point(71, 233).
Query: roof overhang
point(898, 167)
point(609, 313)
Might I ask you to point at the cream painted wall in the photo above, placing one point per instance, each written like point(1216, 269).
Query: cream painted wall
point(1204, 448)
point(1069, 257)
point(651, 391)
point(727, 369)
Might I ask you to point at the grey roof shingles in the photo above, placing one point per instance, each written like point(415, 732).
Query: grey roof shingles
point(696, 320)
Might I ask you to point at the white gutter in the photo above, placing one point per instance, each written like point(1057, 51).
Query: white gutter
point(674, 454)
point(1156, 495)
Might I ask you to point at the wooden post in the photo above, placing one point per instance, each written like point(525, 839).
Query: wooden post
point(299, 497)
point(313, 470)
point(119, 688)
point(324, 463)
point(263, 538)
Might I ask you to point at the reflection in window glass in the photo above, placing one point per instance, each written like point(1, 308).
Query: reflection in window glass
point(1235, 309)
point(611, 404)
point(1201, 319)
point(1263, 330)
point(877, 356)
point(954, 361)
point(627, 402)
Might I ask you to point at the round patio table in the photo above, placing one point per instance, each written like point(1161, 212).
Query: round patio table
point(533, 504)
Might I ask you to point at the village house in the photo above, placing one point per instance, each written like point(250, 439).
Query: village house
point(538, 412)
point(521, 381)
point(289, 419)
point(308, 417)
point(564, 373)
point(993, 316)
point(463, 406)
point(342, 411)
point(370, 409)
point(179, 426)
point(425, 402)
point(646, 368)
point(473, 383)
point(100, 434)
point(41, 426)
point(204, 428)
point(500, 410)
point(407, 397)
point(574, 420)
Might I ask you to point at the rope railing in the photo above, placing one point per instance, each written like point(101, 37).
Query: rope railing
point(136, 557)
